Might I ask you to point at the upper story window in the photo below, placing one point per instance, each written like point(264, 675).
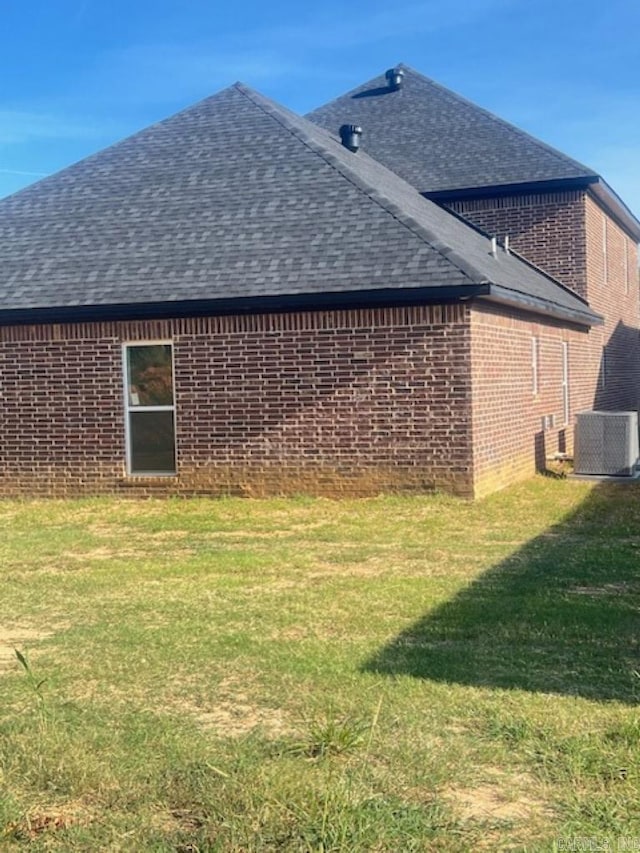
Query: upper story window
point(605, 259)
point(566, 412)
point(625, 261)
point(150, 408)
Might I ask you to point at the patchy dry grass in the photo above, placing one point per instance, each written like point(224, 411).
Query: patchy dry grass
point(389, 674)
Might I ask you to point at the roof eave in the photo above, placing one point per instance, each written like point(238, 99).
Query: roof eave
point(524, 302)
point(588, 183)
point(581, 182)
point(618, 209)
point(378, 298)
point(381, 298)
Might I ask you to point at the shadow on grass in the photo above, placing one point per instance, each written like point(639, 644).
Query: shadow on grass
point(561, 615)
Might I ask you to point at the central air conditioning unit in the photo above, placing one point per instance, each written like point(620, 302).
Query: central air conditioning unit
point(606, 443)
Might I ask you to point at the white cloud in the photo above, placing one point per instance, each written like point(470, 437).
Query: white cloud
point(596, 127)
point(164, 72)
point(149, 74)
point(23, 173)
point(17, 126)
point(349, 29)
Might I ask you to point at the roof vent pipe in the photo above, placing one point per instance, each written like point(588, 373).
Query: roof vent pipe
point(394, 78)
point(350, 135)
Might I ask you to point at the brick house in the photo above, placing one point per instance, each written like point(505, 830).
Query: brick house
point(236, 301)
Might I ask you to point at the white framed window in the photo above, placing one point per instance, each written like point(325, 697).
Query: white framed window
point(149, 408)
point(566, 413)
point(534, 365)
point(605, 259)
point(626, 265)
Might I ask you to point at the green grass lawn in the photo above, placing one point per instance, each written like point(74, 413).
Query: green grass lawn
point(394, 674)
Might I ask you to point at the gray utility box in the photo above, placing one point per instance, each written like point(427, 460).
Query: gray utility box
point(606, 443)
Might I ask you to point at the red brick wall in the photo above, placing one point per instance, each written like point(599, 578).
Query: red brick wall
point(510, 438)
point(339, 402)
point(332, 403)
point(548, 229)
point(613, 291)
point(573, 238)
point(61, 414)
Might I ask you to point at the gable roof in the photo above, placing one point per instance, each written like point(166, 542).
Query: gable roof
point(236, 203)
point(437, 140)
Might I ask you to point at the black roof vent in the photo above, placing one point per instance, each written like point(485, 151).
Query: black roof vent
point(350, 135)
point(394, 77)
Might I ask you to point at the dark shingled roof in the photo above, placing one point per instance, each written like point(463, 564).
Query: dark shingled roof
point(438, 141)
point(234, 199)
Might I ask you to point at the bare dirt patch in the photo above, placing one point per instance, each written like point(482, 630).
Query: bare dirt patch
point(234, 719)
point(15, 638)
point(103, 554)
point(162, 535)
point(292, 632)
point(357, 568)
point(502, 797)
point(233, 713)
point(46, 821)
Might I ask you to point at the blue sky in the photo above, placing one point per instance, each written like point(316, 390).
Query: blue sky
point(76, 75)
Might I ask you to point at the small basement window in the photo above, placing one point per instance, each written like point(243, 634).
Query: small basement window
point(150, 409)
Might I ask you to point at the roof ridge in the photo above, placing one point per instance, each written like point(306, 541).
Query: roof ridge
point(291, 122)
point(122, 140)
point(559, 155)
point(399, 250)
